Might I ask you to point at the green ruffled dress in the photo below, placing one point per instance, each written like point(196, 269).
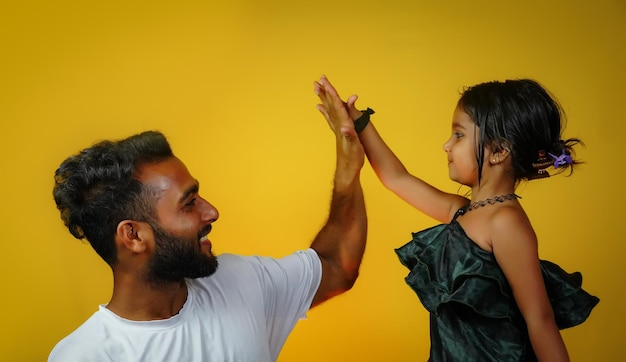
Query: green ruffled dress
point(473, 315)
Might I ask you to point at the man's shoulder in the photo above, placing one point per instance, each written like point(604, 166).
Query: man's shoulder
point(255, 263)
point(83, 343)
point(234, 269)
point(238, 258)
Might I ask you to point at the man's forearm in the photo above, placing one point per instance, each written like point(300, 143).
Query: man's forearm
point(341, 242)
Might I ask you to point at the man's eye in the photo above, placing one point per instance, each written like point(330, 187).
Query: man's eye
point(190, 204)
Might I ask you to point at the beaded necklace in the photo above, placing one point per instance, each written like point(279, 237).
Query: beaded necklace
point(491, 201)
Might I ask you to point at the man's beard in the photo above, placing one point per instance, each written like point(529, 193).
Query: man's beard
point(176, 258)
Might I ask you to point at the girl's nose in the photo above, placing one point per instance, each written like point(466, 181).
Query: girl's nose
point(446, 146)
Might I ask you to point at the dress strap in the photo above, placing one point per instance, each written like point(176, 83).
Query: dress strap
point(460, 212)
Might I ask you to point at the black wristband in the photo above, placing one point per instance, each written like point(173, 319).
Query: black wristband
point(361, 122)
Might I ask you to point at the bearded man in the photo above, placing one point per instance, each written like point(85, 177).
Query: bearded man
point(174, 300)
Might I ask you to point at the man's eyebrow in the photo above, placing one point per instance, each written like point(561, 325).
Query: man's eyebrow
point(190, 191)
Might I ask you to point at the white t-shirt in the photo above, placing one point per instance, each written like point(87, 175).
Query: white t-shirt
point(243, 312)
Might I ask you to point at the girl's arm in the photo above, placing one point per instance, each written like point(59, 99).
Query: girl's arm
point(395, 177)
point(515, 247)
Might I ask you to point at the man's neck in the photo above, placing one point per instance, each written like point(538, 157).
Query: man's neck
point(141, 301)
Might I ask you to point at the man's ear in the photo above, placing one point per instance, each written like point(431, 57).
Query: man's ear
point(131, 235)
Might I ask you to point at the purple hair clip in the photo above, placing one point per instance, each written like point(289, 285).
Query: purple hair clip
point(562, 160)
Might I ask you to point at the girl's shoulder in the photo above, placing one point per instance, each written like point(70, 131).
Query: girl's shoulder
point(509, 225)
point(508, 217)
point(497, 224)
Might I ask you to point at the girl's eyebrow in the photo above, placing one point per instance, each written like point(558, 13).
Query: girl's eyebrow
point(457, 125)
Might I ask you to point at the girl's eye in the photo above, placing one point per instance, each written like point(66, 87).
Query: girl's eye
point(458, 134)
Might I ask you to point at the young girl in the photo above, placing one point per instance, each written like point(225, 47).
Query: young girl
point(489, 295)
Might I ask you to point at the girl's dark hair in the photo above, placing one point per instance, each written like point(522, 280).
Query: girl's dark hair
point(521, 117)
point(97, 188)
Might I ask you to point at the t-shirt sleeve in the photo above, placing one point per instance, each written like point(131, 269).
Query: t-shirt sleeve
point(293, 280)
point(288, 287)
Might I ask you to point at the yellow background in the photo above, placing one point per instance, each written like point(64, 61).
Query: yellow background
point(230, 83)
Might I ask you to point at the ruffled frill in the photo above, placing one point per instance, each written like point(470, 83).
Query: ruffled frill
point(446, 266)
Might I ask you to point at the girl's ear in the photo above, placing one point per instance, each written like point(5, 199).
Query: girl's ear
point(500, 153)
point(130, 235)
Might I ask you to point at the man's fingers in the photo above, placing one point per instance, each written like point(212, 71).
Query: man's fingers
point(334, 109)
point(327, 86)
point(322, 109)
